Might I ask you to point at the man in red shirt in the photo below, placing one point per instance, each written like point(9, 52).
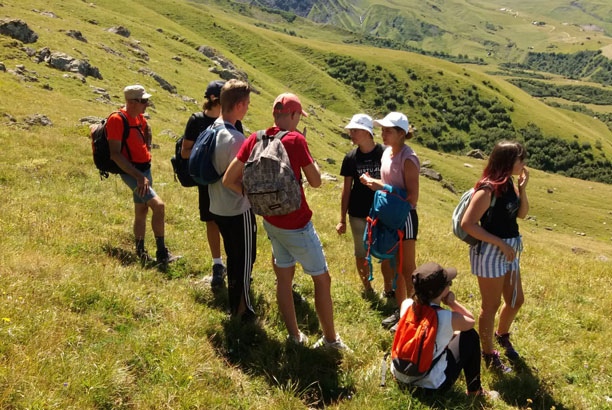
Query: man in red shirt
point(293, 236)
point(135, 160)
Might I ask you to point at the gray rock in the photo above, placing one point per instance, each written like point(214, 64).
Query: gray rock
point(64, 62)
point(603, 258)
point(476, 153)
point(163, 83)
point(531, 218)
point(426, 164)
point(2, 66)
point(91, 120)
point(102, 92)
point(548, 228)
point(111, 51)
point(94, 22)
point(207, 51)
point(330, 160)
point(76, 35)
point(177, 58)
point(38, 119)
point(159, 30)
point(29, 51)
point(120, 30)
point(449, 186)
point(10, 117)
point(579, 251)
point(181, 108)
point(189, 99)
point(47, 86)
point(431, 174)
point(329, 177)
point(18, 29)
point(465, 164)
point(49, 14)
point(168, 133)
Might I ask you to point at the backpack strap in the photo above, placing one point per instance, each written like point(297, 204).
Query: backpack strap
point(126, 134)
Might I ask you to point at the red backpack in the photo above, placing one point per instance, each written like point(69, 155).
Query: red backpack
point(415, 341)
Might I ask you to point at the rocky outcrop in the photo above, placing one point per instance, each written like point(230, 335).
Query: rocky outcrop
point(120, 30)
point(2, 66)
point(38, 119)
point(76, 35)
point(224, 67)
point(18, 29)
point(476, 153)
point(163, 83)
point(24, 74)
point(64, 62)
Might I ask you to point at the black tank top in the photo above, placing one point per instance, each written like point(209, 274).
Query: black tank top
point(501, 219)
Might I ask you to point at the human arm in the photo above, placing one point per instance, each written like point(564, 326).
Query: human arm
point(372, 183)
point(186, 147)
point(344, 203)
point(462, 318)
point(411, 182)
point(480, 203)
point(115, 153)
point(233, 176)
point(312, 174)
point(522, 193)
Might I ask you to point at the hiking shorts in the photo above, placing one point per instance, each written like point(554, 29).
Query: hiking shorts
point(411, 227)
point(133, 184)
point(358, 227)
point(204, 199)
point(488, 261)
point(297, 245)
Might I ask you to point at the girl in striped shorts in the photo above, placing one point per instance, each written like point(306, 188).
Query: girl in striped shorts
point(495, 260)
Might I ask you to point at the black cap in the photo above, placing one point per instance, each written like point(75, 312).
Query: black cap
point(214, 89)
point(430, 279)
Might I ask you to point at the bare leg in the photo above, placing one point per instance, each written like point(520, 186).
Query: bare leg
point(409, 264)
point(364, 272)
point(214, 239)
point(159, 214)
point(324, 305)
point(140, 220)
point(387, 272)
point(490, 291)
point(508, 313)
point(284, 298)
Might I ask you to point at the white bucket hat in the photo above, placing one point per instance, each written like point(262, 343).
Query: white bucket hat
point(360, 122)
point(394, 119)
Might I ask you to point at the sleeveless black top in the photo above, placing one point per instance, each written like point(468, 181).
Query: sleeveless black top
point(501, 219)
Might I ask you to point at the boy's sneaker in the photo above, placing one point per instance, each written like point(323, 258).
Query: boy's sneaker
point(337, 344)
point(301, 340)
point(493, 361)
point(391, 320)
point(165, 257)
point(488, 394)
point(504, 341)
point(218, 275)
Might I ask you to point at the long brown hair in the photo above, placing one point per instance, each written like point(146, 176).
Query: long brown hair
point(499, 168)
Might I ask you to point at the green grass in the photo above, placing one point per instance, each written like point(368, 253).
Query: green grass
point(84, 326)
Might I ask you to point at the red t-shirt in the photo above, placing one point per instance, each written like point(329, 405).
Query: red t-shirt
point(297, 149)
point(135, 141)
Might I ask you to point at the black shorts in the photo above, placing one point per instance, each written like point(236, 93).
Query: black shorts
point(411, 227)
point(205, 215)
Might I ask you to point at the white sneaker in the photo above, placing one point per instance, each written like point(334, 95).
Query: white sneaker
point(301, 340)
point(337, 344)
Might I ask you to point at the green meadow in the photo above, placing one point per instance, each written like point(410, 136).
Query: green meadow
point(84, 326)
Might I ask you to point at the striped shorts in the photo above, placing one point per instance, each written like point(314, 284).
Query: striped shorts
point(411, 227)
point(488, 261)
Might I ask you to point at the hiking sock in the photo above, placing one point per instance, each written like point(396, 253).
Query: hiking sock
point(140, 246)
point(161, 245)
point(218, 261)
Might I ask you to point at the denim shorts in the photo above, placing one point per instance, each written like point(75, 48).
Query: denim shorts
point(358, 227)
point(297, 245)
point(133, 184)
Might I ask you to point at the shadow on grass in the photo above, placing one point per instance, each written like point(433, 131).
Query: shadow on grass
point(310, 374)
point(524, 388)
point(124, 257)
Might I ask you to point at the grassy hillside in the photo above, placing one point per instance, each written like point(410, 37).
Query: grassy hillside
point(82, 325)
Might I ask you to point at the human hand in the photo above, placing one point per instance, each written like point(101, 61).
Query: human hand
point(449, 299)
point(143, 186)
point(523, 179)
point(304, 132)
point(341, 228)
point(365, 179)
point(508, 251)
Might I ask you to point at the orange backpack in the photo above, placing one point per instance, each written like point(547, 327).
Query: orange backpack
point(415, 341)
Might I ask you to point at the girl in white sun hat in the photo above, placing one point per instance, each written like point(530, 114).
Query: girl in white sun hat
point(400, 168)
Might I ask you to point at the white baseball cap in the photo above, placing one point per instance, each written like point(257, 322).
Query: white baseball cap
point(360, 122)
point(394, 119)
point(135, 92)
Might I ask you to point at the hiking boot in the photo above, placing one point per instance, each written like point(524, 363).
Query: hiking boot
point(165, 257)
point(393, 328)
point(504, 341)
point(301, 340)
point(488, 394)
point(391, 320)
point(218, 275)
point(493, 361)
point(144, 257)
point(337, 344)
point(389, 294)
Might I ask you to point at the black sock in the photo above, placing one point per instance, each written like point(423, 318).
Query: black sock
point(140, 246)
point(161, 244)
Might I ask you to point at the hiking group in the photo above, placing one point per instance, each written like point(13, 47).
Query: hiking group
point(238, 177)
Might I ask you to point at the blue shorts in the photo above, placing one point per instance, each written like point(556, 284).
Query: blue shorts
point(297, 245)
point(133, 184)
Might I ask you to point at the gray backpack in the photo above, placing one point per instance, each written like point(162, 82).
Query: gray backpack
point(458, 213)
point(269, 181)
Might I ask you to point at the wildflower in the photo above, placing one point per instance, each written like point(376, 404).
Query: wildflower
point(189, 377)
point(6, 319)
point(529, 401)
point(65, 384)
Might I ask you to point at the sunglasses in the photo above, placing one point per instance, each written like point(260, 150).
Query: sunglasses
point(142, 100)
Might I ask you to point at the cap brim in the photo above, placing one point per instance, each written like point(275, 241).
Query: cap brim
point(145, 95)
point(383, 123)
point(451, 273)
